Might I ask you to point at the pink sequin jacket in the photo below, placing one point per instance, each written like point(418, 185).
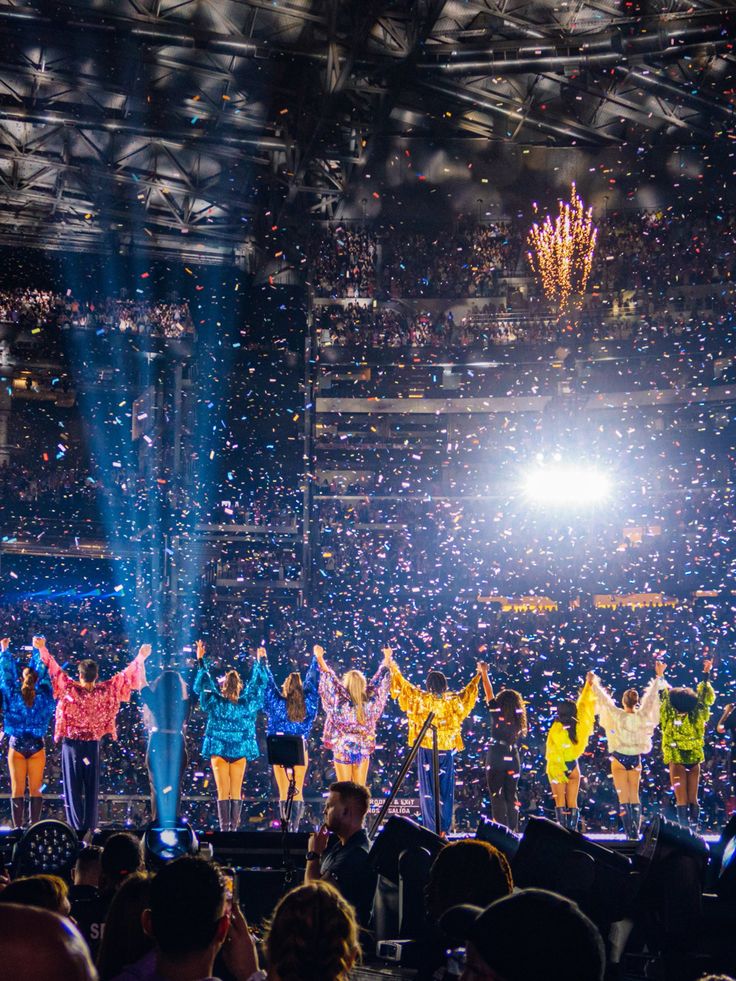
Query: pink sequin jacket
point(342, 728)
point(83, 714)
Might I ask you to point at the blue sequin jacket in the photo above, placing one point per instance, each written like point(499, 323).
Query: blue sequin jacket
point(278, 720)
point(19, 718)
point(231, 726)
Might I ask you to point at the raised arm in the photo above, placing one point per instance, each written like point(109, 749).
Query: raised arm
point(487, 686)
point(311, 682)
point(8, 669)
point(258, 678)
point(586, 710)
point(402, 690)
point(204, 685)
point(650, 705)
point(133, 677)
point(319, 656)
point(468, 696)
point(721, 727)
point(705, 692)
point(58, 675)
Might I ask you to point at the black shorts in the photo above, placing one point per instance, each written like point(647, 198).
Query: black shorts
point(26, 744)
point(627, 761)
point(570, 767)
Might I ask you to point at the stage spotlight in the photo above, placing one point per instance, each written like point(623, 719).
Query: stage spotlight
point(162, 845)
point(557, 485)
point(49, 847)
point(499, 836)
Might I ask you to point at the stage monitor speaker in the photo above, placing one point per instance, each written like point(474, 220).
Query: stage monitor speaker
point(260, 889)
point(398, 835)
point(9, 838)
point(257, 849)
point(499, 836)
point(288, 751)
point(604, 883)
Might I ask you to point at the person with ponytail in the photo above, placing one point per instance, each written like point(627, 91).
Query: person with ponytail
point(313, 936)
point(290, 711)
point(567, 740)
point(684, 714)
point(230, 734)
point(629, 733)
point(28, 705)
point(352, 708)
point(503, 763)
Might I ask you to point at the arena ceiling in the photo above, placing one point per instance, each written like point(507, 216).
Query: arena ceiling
point(191, 126)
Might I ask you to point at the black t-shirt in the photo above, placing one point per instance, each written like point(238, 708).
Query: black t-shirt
point(90, 914)
point(348, 868)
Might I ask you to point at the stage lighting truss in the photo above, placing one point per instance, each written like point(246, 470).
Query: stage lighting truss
point(560, 485)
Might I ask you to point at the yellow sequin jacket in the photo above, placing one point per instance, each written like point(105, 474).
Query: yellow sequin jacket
point(451, 710)
point(560, 748)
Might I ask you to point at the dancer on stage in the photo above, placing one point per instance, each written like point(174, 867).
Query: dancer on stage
point(503, 764)
point(450, 711)
point(684, 714)
point(166, 707)
point(85, 712)
point(566, 742)
point(352, 709)
point(290, 711)
point(28, 705)
point(629, 733)
point(230, 735)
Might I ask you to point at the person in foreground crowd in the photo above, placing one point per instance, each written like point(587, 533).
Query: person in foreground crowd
point(40, 891)
point(313, 936)
point(291, 710)
point(166, 707)
point(513, 939)
point(86, 874)
point(28, 705)
point(85, 712)
point(122, 856)
point(124, 941)
point(189, 921)
point(230, 736)
point(450, 711)
point(503, 763)
point(629, 732)
point(352, 708)
point(567, 740)
point(338, 852)
point(37, 945)
point(684, 715)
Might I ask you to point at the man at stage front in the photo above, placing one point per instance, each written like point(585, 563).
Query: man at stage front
point(85, 712)
point(450, 711)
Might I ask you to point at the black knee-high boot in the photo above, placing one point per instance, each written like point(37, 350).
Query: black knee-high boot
point(16, 811)
point(693, 816)
point(35, 807)
point(236, 806)
point(626, 819)
point(682, 815)
point(635, 820)
point(561, 816)
point(573, 818)
point(223, 814)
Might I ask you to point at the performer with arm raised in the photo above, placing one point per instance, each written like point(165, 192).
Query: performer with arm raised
point(629, 731)
point(567, 740)
point(291, 711)
point(86, 711)
point(450, 709)
point(28, 705)
point(503, 763)
point(352, 709)
point(230, 736)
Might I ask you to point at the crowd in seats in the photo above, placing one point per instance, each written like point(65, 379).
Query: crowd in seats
point(33, 308)
point(345, 260)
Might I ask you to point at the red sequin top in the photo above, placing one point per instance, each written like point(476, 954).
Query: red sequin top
point(83, 713)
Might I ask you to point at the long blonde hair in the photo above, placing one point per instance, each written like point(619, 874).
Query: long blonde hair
point(293, 692)
point(232, 686)
point(357, 688)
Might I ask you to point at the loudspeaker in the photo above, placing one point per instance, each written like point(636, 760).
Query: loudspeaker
point(398, 835)
point(602, 882)
point(286, 750)
point(257, 849)
point(260, 889)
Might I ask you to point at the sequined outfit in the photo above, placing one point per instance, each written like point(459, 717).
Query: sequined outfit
point(275, 705)
point(231, 726)
point(351, 740)
point(683, 733)
point(22, 721)
point(561, 751)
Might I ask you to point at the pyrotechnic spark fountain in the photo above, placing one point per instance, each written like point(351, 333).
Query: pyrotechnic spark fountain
point(561, 253)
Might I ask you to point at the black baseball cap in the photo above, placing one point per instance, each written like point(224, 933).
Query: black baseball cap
point(520, 936)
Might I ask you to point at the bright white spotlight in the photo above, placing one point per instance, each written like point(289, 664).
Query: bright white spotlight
point(558, 485)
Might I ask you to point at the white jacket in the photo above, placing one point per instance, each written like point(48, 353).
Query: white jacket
point(629, 733)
